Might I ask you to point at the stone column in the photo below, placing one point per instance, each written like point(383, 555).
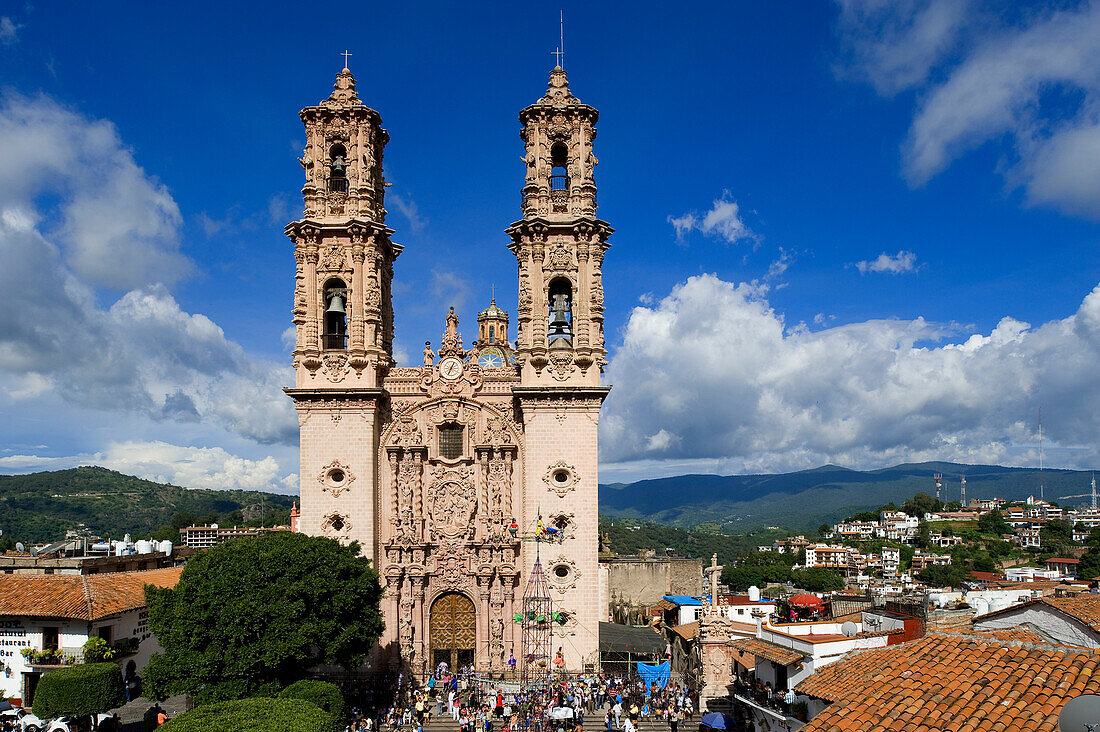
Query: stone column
point(312, 340)
point(358, 316)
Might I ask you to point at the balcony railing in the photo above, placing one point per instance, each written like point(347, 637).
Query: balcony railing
point(338, 185)
point(334, 341)
point(559, 182)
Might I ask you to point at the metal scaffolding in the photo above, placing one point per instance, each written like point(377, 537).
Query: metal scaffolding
point(537, 624)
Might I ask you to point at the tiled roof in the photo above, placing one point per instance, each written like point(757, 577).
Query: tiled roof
point(772, 651)
point(951, 682)
point(1085, 608)
point(687, 631)
point(81, 597)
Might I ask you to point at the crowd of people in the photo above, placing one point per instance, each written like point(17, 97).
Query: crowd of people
point(560, 703)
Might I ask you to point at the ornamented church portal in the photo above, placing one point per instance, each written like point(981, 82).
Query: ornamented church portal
point(453, 628)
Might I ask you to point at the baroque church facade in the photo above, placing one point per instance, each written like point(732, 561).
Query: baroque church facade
point(449, 474)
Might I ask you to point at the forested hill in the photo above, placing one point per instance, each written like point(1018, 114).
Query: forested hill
point(804, 500)
point(43, 506)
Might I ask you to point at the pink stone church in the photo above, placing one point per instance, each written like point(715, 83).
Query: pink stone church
point(441, 471)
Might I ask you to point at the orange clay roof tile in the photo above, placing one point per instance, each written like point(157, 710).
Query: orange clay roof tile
point(771, 651)
point(951, 682)
point(81, 597)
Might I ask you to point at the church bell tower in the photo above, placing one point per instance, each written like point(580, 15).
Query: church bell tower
point(342, 313)
point(560, 243)
point(559, 246)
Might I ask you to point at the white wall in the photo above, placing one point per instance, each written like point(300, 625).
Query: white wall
point(26, 632)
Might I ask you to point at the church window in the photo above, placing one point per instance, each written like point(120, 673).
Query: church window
point(450, 441)
point(337, 524)
point(335, 335)
point(492, 334)
point(561, 571)
point(338, 176)
point(559, 158)
point(561, 476)
point(561, 312)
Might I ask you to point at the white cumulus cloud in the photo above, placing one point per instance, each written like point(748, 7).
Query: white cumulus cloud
point(722, 221)
point(80, 220)
point(190, 467)
point(985, 73)
point(898, 263)
point(711, 375)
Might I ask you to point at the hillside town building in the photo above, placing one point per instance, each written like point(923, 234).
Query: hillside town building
point(444, 470)
point(61, 612)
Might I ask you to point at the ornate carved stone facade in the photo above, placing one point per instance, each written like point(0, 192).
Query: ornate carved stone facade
point(428, 467)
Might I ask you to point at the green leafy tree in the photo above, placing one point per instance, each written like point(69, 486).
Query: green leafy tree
point(817, 579)
point(993, 522)
point(1090, 561)
point(254, 715)
point(823, 530)
point(89, 688)
point(1056, 535)
point(254, 611)
point(921, 504)
point(942, 575)
point(982, 562)
point(924, 535)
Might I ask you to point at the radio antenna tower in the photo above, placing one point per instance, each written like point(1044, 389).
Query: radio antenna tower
point(963, 500)
point(1094, 491)
point(939, 484)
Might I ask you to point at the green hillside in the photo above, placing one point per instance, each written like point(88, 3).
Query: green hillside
point(43, 506)
point(804, 500)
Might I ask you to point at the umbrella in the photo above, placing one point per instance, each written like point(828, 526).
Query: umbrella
point(714, 720)
point(804, 601)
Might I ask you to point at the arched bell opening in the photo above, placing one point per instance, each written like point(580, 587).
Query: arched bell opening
point(338, 175)
point(560, 327)
point(335, 332)
point(559, 161)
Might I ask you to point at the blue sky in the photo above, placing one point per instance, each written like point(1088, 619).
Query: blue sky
point(854, 232)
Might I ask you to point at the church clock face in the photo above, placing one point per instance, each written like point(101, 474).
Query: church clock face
point(450, 368)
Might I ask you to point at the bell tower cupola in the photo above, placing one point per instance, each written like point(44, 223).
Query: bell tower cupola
point(559, 243)
point(342, 307)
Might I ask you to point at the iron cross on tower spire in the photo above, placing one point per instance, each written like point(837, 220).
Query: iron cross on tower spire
point(345, 54)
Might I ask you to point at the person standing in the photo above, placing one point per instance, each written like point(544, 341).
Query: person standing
point(673, 718)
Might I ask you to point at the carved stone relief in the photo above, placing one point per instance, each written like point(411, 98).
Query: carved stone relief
point(561, 477)
point(335, 366)
point(335, 477)
point(563, 573)
point(406, 432)
point(453, 501)
point(561, 365)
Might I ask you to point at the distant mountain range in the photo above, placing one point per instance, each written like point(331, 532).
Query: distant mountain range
point(43, 506)
point(804, 500)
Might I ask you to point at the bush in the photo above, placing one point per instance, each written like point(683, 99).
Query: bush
point(325, 695)
point(254, 715)
point(97, 649)
point(86, 689)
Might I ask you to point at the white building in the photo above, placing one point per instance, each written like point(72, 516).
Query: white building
point(61, 612)
point(891, 561)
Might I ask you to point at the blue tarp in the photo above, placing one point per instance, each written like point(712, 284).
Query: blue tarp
point(650, 673)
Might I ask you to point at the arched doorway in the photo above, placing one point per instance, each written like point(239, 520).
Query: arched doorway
point(453, 630)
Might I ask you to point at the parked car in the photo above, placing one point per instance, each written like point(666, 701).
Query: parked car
point(20, 720)
point(86, 723)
